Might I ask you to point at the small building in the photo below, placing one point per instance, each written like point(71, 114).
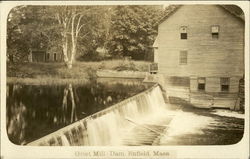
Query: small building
point(54, 57)
point(40, 55)
point(200, 54)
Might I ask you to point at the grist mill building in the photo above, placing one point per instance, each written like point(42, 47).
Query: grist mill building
point(200, 54)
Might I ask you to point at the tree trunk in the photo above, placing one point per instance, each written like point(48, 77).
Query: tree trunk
point(72, 57)
point(73, 41)
point(71, 24)
point(73, 105)
point(69, 64)
point(65, 48)
point(65, 105)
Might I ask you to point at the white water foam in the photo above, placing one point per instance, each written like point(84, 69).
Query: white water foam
point(229, 113)
point(106, 128)
point(185, 123)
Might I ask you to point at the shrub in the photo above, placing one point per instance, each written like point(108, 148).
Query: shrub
point(126, 66)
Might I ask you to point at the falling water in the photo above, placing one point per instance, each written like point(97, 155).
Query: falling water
point(106, 126)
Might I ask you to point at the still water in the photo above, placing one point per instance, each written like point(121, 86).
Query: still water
point(34, 111)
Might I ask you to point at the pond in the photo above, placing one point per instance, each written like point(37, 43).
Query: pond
point(34, 111)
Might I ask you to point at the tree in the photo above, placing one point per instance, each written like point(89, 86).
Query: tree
point(28, 27)
point(17, 41)
point(133, 30)
point(79, 30)
point(76, 21)
point(56, 28)
point(99, 35)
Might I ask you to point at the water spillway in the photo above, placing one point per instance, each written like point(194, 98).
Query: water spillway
point(106, 126)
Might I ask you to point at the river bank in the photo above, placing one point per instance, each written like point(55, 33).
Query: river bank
point(82, 72)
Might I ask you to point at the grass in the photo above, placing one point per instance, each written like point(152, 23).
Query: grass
point(44, 73)
point(141, 66)
point(46, 81)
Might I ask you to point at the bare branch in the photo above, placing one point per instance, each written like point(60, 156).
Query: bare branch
point(79, 29)
point(85, 35)
point(68, 22)
point(58, 18)
point(78, 24)
point(72, 28)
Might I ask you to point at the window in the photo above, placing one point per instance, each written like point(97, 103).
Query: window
point(55, 57)
point(224, 82)
point(183, 57)
point(153, 68)
point(201, 83)
point(215, 31)
point(183, 31)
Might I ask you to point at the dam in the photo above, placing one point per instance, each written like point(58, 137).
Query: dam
point(111, 126)
point(113, 113)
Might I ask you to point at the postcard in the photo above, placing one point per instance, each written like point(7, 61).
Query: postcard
point(125, 79)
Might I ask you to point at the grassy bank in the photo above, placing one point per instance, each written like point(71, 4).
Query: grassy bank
point(57, 72)
point(46, 81)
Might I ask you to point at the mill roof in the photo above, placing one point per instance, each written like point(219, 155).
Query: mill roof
point(232, 9)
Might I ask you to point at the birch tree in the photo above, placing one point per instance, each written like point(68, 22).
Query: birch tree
point(74, 21)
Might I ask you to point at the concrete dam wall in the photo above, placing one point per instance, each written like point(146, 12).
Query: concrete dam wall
point(104, 127)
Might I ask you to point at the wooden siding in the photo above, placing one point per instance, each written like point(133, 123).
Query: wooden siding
point(59, 57)
point(234, 84)
point(179, 92)
point(193, 84)
point(207, 57)
point(177, 81)
point(201, 100)
point(213, 84)
point(156, 55)
point(38, 56)
point(224, 103)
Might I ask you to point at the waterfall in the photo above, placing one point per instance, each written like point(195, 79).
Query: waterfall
point(105, 127)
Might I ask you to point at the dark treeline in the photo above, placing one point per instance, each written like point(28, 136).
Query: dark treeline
point(83, 32)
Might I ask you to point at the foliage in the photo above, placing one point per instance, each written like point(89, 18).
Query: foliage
point(49, 27)
point(133, 30)
point(126, 66)
point(29, 28)
point(78, 25)
point(18, 41)
point(78, 31)
point(80, 70)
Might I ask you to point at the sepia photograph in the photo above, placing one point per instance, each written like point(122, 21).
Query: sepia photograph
point(125, 75)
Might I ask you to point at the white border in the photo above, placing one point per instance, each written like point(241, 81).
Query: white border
point(9, 150)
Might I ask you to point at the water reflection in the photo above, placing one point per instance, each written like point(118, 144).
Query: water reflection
point(68, 94)
point(36, 110)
